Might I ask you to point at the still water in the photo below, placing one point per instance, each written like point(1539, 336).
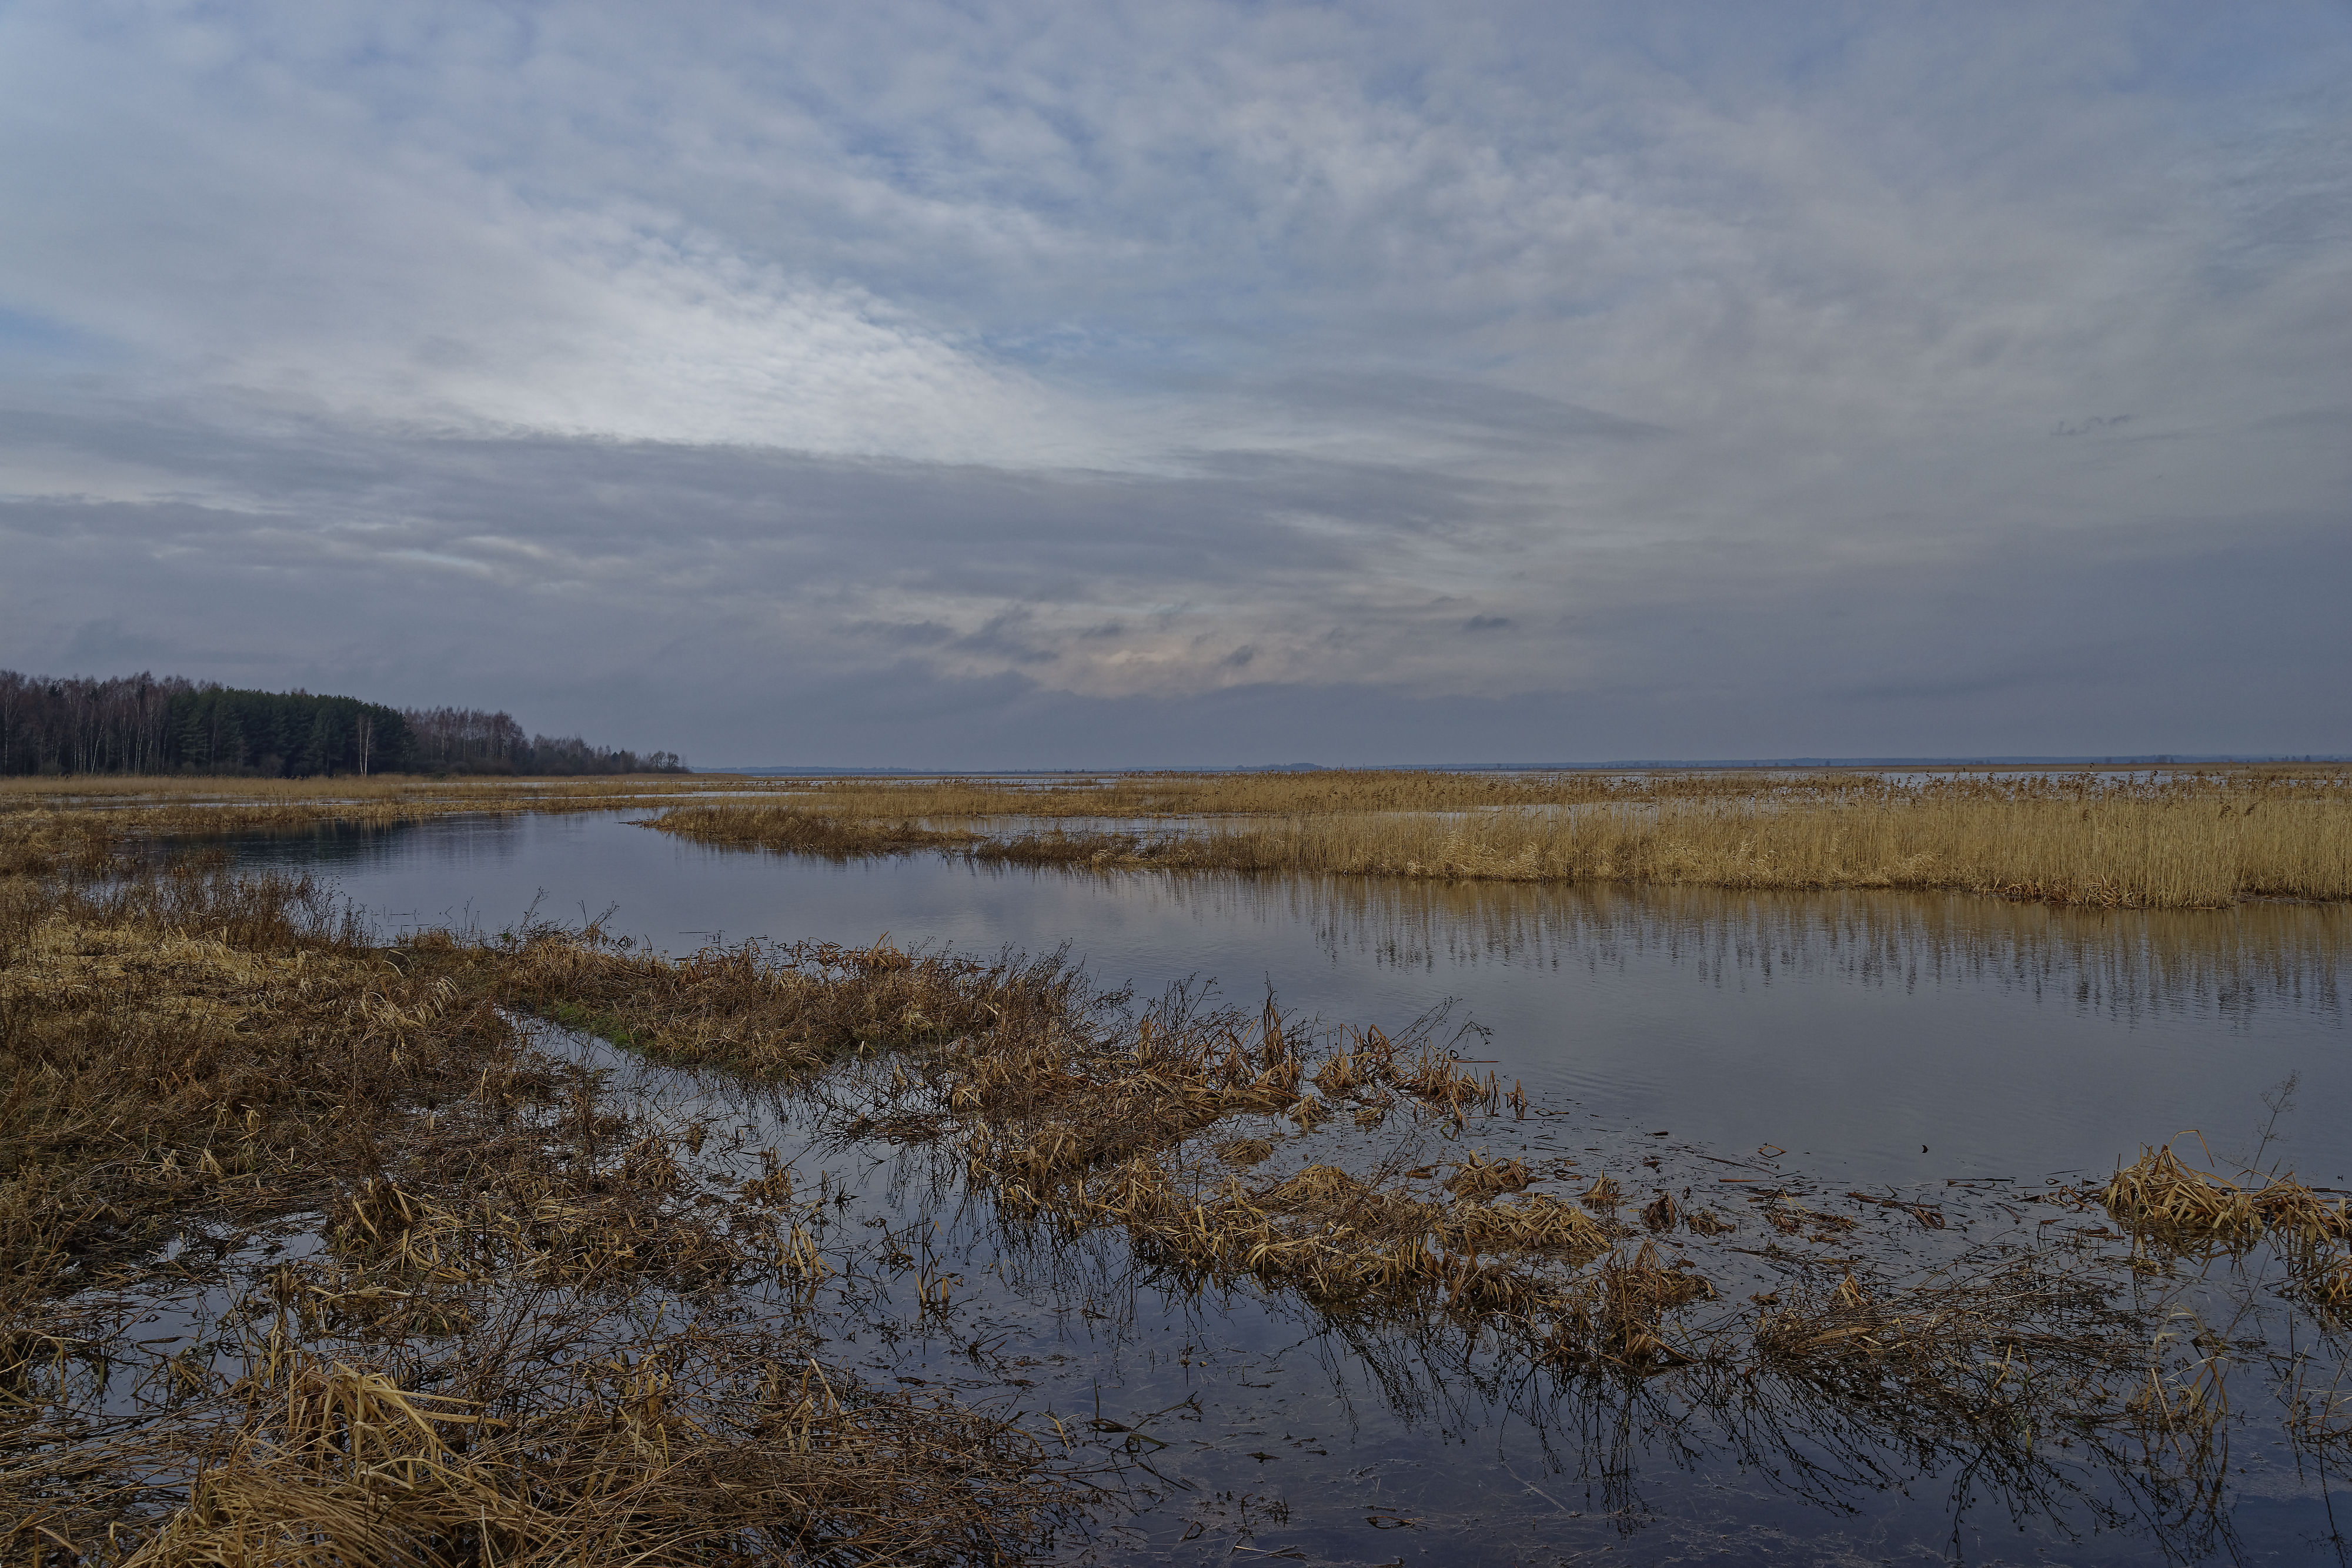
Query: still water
point(1895, 1043)
point(1894, 1037)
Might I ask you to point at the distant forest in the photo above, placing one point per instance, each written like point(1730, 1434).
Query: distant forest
point(143, 723)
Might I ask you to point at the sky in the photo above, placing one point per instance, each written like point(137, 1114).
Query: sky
point(1036, 385)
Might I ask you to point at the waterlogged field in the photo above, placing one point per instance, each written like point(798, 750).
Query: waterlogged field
point(544, 1186)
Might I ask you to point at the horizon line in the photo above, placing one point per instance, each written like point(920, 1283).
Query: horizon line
point(2141, 759)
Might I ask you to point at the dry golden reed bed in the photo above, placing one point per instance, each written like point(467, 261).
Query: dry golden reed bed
point(2190, 841)
point(2181, 840)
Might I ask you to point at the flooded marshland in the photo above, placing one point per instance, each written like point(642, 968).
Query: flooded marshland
point(2012, 1040)
point(1860, 1119)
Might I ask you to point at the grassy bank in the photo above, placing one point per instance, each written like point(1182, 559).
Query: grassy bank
point(2196, 841)
point(92, 820)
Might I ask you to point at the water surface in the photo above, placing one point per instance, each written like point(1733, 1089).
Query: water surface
point(1897, 1037)
point(1889, 1043)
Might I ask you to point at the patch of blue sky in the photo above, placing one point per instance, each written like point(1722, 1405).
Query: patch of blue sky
point(2232, 51)
point(29, 337)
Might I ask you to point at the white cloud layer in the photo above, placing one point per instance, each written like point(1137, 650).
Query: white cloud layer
point(1663, 378)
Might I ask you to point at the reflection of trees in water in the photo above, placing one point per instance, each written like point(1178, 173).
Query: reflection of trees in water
point(331, 846)
point(2229, 963)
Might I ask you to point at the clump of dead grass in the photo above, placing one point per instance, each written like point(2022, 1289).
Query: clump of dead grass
point(2162, 1200)
point(1535, 1223)
point(778, 1013)
point(1355, 1246)
point(682, 1457)
point(2302, 1225)
point(1333, 1239)
point(2326, 1283)
point(1478, 1179)
point(1621, 1317)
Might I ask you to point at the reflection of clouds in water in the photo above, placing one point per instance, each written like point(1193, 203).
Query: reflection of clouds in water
point(2125, 963)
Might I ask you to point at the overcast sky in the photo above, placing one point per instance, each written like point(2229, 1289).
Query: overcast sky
point(1000, 384)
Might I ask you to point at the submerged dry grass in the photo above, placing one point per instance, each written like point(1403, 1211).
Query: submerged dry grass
point(2183, 841)
point(531, 1335)
point(1084, 1117)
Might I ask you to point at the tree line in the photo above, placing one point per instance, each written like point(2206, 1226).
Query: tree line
point(146, 723)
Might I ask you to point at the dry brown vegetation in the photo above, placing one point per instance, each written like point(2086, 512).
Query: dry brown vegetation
point(89, 821)
point(476, 1366)
point(2180, 841)
point(534, 1324)
point(1084, 1118)
point(1078, 1128)
point(775, 1014)
point(2165, 1201)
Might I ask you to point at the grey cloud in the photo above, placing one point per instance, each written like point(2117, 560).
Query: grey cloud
point(910, 635)
point(1499, 415)
point(108, 644)
point(1129, 375)
point(1002, 634)
point(2028, 639)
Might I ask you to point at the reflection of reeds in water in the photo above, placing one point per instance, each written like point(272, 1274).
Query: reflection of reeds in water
point(2200, 840)
point(2234, 962)
point(1963, 1349)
